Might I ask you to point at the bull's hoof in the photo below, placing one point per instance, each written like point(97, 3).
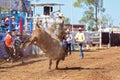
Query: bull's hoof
point(49, 68)
point(56, 68)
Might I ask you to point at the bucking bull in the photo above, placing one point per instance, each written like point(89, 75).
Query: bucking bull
point(53, 47)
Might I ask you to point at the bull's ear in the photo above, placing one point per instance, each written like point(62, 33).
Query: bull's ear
point(37, 25)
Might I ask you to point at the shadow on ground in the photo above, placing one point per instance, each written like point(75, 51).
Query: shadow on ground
point(79, 68)
point(26, 63)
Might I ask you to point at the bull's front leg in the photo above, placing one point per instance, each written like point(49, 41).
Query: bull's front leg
point(28, 41)
point(31, 41)
point(57, 62)
point(22, 56)
point(50, 63)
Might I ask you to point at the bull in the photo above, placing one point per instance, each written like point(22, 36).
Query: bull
point(49, 44)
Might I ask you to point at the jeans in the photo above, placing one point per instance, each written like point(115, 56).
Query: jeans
point(80, 50)
point(69, 47)
point(72, 46)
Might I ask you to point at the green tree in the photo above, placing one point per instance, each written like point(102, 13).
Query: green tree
point(88, 17)
point(66, 20)
point(91, 8)
point(3, 9)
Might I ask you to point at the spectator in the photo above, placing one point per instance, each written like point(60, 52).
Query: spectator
point(9, 45)
point(7, 20)
point(3, 23)
point(80, 38)
point(13, 22)
point(68, 40)
point(14, 33)
point(73, 41)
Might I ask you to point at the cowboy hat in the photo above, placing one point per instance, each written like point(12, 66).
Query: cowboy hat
point(8, 31)
point(67, 31)
point(79, 28)
point(18, 34)
point(12, 17)
point(8, 15)
point(61, 15)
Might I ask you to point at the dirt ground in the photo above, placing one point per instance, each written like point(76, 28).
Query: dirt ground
point(103, 64)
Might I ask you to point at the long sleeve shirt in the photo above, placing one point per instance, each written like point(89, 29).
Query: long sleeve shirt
point(79, 37)
point(69, 38)
point(8, 40)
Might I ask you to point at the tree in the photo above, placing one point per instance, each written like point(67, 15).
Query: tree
point(2, 9)
point(91, 8)
point(88, 17)
point(66, 20)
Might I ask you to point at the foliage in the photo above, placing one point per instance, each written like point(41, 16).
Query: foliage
point(88, 6)
point(115, 26)
point(66, 20)
point(3, 9)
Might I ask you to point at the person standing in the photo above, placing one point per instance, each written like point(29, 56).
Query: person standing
point(13, 22)
point(9, 45)
point(7, 21)
point(68, 40)
point(2, 26)
point(17, 42)
point(14, 33)
point(73, 41)
point(3, 23)
point(80, 38)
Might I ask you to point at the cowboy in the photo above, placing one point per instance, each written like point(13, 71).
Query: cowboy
point(80, 38)
point(17, 49)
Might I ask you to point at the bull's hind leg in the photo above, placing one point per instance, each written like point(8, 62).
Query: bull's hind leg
point(57, 62)
point(50, 63)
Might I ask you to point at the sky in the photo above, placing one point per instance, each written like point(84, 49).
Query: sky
point(74, 14)
point(112, 9)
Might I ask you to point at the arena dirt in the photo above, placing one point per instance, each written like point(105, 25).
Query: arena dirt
point(98, 64)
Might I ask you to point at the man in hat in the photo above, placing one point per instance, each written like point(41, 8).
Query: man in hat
point(59, 26)
point(80, 38)
point(60, 15)
point(17, 49)
point(7, 20)
point(9, 44)
point(60, 20)
point(13, 22)
point(17, 42)
point(68, 39)
point(14, 33)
